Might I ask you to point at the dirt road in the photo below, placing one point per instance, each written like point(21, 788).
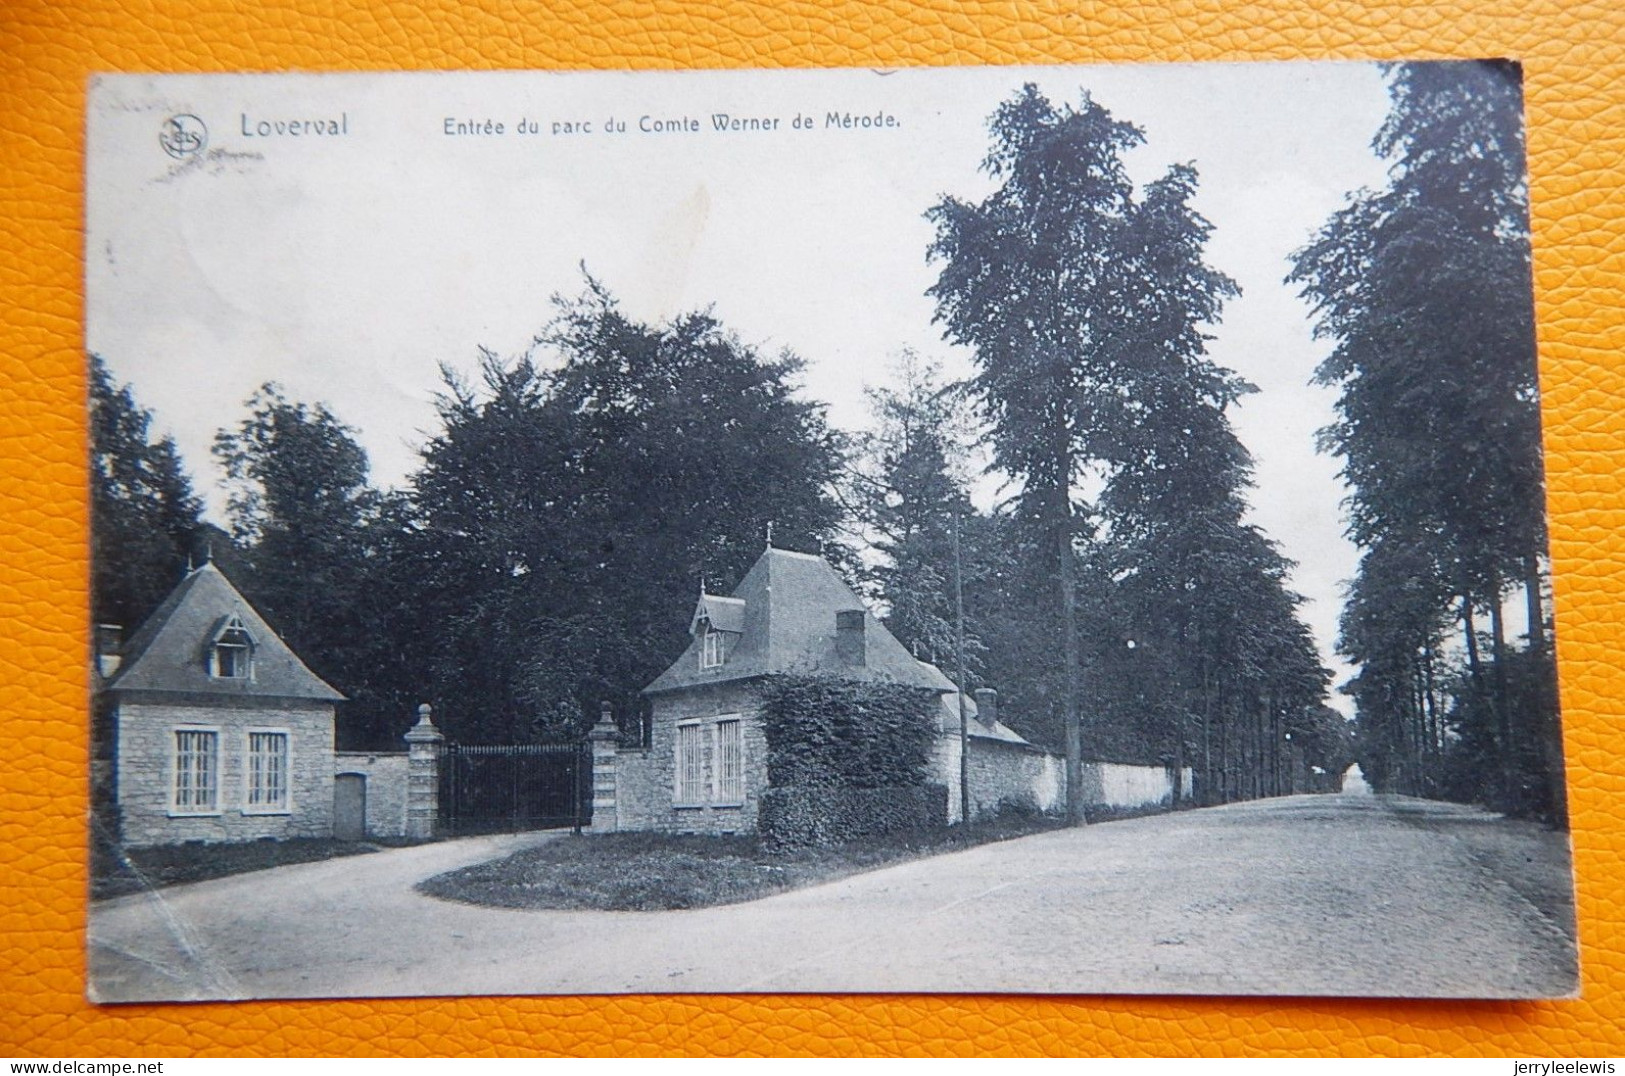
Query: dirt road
point(1305, 895)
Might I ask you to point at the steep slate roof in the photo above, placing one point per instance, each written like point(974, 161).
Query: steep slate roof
point(788, 626)
point(167, 652)
point(978, 728)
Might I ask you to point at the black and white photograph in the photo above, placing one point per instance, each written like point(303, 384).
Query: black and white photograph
point(1046, 530)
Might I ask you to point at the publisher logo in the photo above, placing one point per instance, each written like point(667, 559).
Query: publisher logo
point(183, 136)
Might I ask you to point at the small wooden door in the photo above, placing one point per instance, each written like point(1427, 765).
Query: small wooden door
point(350, 807)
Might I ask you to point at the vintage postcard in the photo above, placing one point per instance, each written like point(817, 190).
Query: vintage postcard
point(1047, 530)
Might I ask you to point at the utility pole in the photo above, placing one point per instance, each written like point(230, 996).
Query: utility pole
point(959, 657)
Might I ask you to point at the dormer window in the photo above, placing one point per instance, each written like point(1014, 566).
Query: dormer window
point(717, 624)
point(711, 648)
point(231, 651)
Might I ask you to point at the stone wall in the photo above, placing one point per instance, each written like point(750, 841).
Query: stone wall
point(1125, 787)
point(146, 770)
point(645, 778)
point(386, 788)
point(1014, 776)
point(1004, 775)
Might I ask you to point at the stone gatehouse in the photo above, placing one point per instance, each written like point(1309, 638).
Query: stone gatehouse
point(219, 732)
point(704, 767)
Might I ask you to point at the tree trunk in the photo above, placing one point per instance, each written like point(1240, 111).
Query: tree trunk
point(1207, 737)
point(1070, 661)
point(1512, 790)
point(1276, 744)
point(1498, 650)
point(1244, 748)
point(1470, 637)
point(1435, 721)
point(1255, 745)
point(1419, 726)
point(1424, 729)
point(1481, 695)
point(1399, 780)
point(1246, 733)
point(1548, 722)
point(1272, 752)
point(1532, 604)
point(1261, 755)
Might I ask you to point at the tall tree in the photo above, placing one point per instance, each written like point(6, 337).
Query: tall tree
point(906, 487)
point(1174, 500)
point(1424, 287)
point(574, 512)
point(316, 539)
point(144, 514)
point(1081, 303)
point(1031, 282)
point(496, 495)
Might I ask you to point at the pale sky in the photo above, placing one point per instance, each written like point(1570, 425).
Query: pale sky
point(348, 267)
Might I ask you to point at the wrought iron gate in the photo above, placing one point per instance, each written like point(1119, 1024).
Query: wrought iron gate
point(509, 788)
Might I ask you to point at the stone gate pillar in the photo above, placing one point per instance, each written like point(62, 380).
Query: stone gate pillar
point(423, 742)
point(606, 743)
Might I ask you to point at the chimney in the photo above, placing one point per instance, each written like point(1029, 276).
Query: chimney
point(987, 706)
point(109, 639)
point(849, 640)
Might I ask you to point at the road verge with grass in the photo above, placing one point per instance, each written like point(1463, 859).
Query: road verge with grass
point(645, 872)
point(117, 871)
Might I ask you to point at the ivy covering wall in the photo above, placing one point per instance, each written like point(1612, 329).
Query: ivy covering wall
point(824, 732)
point(847, 759)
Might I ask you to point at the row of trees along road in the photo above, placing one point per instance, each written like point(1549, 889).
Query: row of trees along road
point(1083, 302)
point(1424, 288)
point(546, 553)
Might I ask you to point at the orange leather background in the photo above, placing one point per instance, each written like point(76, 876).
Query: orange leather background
point(1575, 78)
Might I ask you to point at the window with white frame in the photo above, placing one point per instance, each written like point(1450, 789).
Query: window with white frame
point(231, 653)
point(267, 771)
point(730, 762)
point(709, 758)
point(691, 783)
point(197, 771)
point(710, 648)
